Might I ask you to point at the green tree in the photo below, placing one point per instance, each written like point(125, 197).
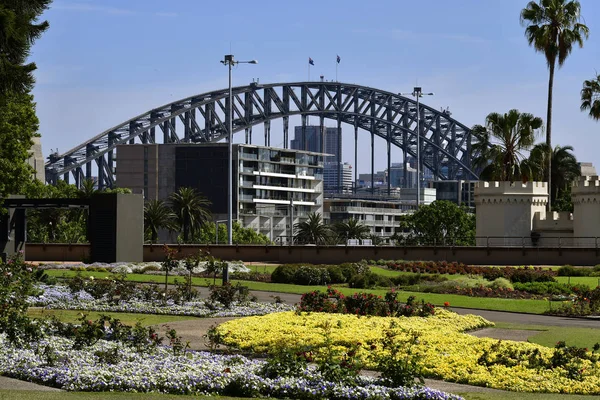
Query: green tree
point(441, 222)
point(18, 126)
point(312, 230)
point(552, 28)
point(241, 235)
point(590, 97)
point(191, 210)
point(53, 225)
point(18, 32)
point(157, 215)
point(501, 144)
point(351, 229)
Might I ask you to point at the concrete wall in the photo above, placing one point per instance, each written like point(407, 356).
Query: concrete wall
point(340, 254)
point(585, 193)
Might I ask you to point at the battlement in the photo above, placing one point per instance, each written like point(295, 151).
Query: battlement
point(586, 182)
point(511, 188)
point(557, 221)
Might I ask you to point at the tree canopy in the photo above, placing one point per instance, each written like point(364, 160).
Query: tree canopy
point(441, 222)
point(501, 145)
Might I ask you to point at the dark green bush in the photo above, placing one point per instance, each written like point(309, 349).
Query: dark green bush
point(336, 275)
point(369, 280)
point(568, 270)
point(283, 274)
point(544, 288)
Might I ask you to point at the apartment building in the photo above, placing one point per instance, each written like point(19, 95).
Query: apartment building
point(273, 188)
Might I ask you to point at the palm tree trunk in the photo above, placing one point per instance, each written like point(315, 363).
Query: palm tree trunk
point(549, 132)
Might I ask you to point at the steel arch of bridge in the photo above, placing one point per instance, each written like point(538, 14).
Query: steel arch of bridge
point(445, 143)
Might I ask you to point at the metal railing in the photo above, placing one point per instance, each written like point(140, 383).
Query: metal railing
point(487, 242)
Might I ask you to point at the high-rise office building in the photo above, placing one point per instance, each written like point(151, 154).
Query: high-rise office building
point(337, 177)
point(313, 142)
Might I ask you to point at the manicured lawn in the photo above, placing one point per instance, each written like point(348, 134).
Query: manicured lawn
point(550, 335)
point(591, 281)
point(126, 318)
point(521, 305)
point(37, 395)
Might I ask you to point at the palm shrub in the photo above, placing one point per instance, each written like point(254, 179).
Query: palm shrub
point(351, 229)
point(191, 210)
point(157, 215)
point(312, 230)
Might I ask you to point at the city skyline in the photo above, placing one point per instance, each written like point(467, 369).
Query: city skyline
point(90, 78)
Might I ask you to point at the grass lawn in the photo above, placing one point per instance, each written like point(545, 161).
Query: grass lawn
point(36, 395)
point(126, 318)
point(591, 281)
point(550, 335)
point(514, 305)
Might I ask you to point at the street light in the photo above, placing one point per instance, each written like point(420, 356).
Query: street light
point(229, 61)
point(417, 93)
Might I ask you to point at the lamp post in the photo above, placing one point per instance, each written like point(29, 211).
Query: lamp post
point(229, 61)
point(418, 93)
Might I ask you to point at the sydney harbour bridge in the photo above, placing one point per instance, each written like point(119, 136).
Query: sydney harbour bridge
point(445, 143)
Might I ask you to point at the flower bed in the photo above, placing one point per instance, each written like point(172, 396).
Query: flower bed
point(53, 362)
point(141, 268)
point(514, 274)
point(445, 351)
point(59, 297)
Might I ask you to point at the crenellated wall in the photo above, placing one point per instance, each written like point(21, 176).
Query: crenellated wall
point(585, 194)
point(514, 213)
point(505, 210)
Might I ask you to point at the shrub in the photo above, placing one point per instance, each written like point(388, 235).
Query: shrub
point(16, 284)
point(286, 361)
point(283, 274)
point(311, 275)
point(149, 268)
point(369, 280)
point(400, 363)
point(568, 270)
point(227, 294)
point(336, 275)
point(365, 304)
point(501, 283)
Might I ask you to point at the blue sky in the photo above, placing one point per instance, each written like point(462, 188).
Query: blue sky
point(105, 61)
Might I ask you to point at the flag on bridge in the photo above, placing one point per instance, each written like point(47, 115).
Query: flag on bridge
point(338, 59)
point(310, 61)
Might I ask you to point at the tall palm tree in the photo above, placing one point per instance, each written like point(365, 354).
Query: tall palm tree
point(590, 97)
point(501, 142)
point(157, 215)
point(191, 210)
point(313, 230)
point(552, 28)
point(351, 229)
